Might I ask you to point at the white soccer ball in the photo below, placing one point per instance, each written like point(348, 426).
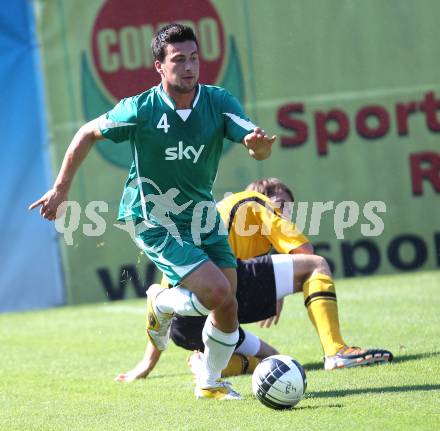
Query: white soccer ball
point(279, 382)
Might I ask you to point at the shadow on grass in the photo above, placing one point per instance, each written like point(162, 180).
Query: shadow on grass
point(386, 389)
point(329, 406)
point(312, 366)
point(319, 366)
point(414, 357)
point(300, 407)
point(162, 376)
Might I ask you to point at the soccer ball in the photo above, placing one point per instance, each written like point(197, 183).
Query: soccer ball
point(279, 382)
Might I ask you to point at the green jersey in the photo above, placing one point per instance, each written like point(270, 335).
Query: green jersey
point(176, 152)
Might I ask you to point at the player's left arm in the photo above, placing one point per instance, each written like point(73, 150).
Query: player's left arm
point(267, 323)
point(144, 367)
point(238, 128)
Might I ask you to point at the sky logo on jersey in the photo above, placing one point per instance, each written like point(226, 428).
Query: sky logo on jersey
point(119, 62)
point(181, 152)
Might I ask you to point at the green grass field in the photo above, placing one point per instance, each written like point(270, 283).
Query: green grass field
point(57, 368)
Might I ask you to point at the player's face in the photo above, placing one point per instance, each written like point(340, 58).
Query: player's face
point(180, 67)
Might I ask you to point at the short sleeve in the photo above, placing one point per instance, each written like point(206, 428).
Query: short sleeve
point(281, 233)
point(237, 125)
point(119, 123)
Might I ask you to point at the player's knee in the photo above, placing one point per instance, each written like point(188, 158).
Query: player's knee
point(229, 308)
point(218, 293)
point(230, 304)
point(320, 265)
point(323, 265)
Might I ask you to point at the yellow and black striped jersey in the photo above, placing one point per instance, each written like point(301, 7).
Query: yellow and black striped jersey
point(255, 225)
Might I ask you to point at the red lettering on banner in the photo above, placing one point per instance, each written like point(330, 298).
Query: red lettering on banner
point(286, 120)
point(402, 112)
point(370, 122)
point(383, 122)
point(324, 135)
point(425, 166)
point(430, 106)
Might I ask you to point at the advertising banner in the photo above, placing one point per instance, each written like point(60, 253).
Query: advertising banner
point(351, 89)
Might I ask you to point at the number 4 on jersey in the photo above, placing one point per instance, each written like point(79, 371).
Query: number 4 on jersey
point(163, 123)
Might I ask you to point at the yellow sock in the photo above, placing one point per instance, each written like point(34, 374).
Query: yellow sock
point(240, 364)
point(320, 301)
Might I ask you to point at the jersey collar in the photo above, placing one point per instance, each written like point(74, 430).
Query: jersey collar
point(170, 102)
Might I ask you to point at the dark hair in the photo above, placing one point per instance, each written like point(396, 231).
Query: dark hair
point(171, 33)
point(270, 187)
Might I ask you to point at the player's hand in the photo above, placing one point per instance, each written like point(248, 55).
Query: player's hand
point(49, 203)
point(127, 377)
point(144, 367)
point(259, 143)
point(274, 319)
point(141, 371)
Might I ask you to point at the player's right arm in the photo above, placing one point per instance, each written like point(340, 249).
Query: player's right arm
point(117, 125)
point(77, 151)
point(144, 367)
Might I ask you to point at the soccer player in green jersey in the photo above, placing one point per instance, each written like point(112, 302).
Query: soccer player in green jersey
point(176, 133)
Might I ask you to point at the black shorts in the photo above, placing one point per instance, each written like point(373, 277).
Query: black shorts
point(256, 297)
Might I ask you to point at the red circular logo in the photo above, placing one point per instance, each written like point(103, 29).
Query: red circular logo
point(122, 36)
